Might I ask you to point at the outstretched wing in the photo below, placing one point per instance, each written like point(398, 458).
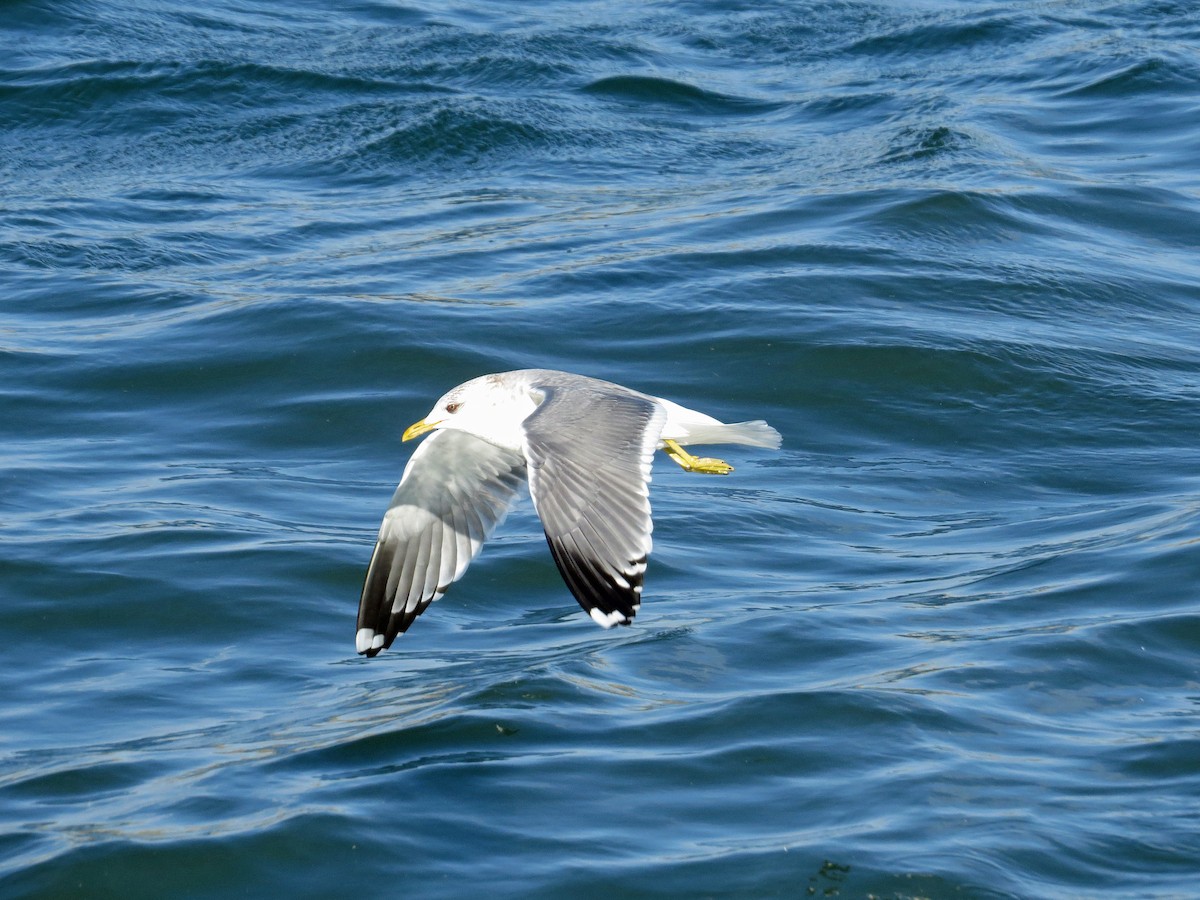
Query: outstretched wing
point(589, 474)
point(455, 490)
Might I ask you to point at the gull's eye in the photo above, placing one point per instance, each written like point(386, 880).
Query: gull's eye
point(452, 408)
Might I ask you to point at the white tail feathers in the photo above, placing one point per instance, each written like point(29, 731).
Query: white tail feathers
point(755, 434)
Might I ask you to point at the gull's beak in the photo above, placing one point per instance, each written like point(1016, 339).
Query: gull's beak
point(417, 429)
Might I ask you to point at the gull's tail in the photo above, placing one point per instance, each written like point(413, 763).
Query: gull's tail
point(754, 434)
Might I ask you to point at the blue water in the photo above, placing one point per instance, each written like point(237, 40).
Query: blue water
point(946, 643)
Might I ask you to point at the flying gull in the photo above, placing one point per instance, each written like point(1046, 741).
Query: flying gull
point(585, 447)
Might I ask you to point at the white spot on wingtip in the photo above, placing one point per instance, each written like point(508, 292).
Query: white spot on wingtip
point(362, 640)
point(606, 620)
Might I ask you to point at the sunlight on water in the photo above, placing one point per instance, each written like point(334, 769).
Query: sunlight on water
point(944, 644)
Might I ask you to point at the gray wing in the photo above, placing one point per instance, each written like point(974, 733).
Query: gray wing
point(455, 490)
point(590, 450)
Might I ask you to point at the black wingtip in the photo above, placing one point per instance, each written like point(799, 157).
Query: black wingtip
point(603, 598)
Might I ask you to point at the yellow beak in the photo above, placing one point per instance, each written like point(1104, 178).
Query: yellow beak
point(417, 429)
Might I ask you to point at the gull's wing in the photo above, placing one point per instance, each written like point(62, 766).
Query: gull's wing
point(590, 450)
point(455, 490)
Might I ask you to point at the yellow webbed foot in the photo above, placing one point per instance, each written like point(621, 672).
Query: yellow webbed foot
point(705, 465)
point(709, 466)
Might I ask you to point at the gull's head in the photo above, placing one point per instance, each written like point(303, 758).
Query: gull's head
point(491, 407)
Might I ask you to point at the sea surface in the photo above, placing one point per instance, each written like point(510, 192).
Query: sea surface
point(944, 644)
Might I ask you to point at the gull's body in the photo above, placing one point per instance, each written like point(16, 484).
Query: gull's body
point(585, 447)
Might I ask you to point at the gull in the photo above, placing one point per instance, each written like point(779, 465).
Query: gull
point(585, 448)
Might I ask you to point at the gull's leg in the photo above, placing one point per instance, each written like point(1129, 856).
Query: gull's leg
point(705, 465)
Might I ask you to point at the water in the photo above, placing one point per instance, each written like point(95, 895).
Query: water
point(944, 644)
